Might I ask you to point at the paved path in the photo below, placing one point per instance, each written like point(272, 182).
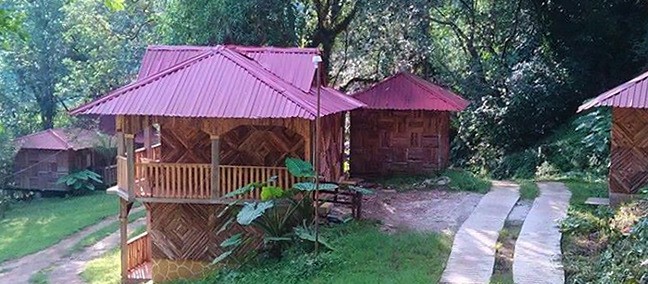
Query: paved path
point(537, 257)
point(21, 269)
point(473, 251)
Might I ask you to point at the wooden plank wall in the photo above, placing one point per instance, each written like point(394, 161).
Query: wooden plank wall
point(629, 151)
point(189, 231)
point(390, 141)
point(34, 168)
point(331, 146)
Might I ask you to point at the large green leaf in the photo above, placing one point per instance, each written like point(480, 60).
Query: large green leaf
point(222, 257)
point(308, 234)
point(271, 192)
point(251, 211)
point(240, 191)
point(300, 168)
point(234, 240)
point(310, 186)
point(361, 190)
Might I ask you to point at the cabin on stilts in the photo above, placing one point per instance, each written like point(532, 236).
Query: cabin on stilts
point(629, 142)
point(227, 116)
point(404, 127)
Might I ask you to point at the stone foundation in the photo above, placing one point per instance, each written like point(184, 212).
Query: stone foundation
point(166, 270)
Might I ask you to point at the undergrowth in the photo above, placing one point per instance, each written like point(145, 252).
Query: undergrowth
point(601, 245)
point(408, 257)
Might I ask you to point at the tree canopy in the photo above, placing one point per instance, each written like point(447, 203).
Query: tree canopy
point(525, 65)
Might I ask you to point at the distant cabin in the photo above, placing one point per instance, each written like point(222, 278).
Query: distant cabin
point(43, 157)
point(404, 127)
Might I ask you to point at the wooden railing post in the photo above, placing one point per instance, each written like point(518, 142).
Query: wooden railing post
point(215, 165)
point(124, 209)
point(130, 165)
point(147, 138)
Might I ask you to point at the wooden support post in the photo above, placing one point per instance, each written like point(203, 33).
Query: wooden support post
point(215, 165)
point(130, 165)
point(123, 241)
point(147, 138)
point(121, 149)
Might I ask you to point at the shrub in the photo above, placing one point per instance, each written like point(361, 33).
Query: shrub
point(81, 181)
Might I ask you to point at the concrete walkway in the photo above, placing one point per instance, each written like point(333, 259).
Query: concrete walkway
point(473, 251)
point(537, 257)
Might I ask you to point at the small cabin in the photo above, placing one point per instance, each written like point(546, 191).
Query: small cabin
point(227, 116)
point(404, 127)
point(44, 157)
point(629, 142)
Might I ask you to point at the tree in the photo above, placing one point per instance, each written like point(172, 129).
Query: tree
point(33, 64)
point(253, 22)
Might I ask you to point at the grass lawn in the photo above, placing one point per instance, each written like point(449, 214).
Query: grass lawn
point(30, 227)
point(528, 189)
point(105, 270)
point(98, 235)
point(363, 255)
point(467, 181)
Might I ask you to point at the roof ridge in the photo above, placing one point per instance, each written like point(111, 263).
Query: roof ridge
point(280, 89)
point(611, 93)
point(67, 144)
point(415, 80)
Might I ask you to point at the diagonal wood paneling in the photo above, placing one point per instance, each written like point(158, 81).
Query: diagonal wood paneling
point(629, 150)
point(188, 231)
point(260, 146)
point(185, 144)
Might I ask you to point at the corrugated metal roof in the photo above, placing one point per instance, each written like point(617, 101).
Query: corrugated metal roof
point(631, 94)
point(405, 91)
point(161, 57)
point(59, 139)
point(219, 82)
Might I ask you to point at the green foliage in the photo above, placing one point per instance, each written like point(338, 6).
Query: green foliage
point(80, 181)
point(255, 22)
point(271, 192)
point(115, 5)
point(528, 189)
point(300, 168)
point(467, 181)
point(251, 211)
point(409, 257)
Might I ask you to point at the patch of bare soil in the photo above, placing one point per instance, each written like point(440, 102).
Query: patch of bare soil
point(505, 247)
point(430, 210)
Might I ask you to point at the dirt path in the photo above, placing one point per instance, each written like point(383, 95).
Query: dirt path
point(431, 210)
point(21, 269)
point(67, 270)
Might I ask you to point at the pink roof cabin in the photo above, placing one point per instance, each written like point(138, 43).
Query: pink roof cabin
point(404, 127)
point(227, 116)
point(629, 142)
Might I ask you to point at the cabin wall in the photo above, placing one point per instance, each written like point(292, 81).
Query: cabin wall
point(332, 146)
point(629, 152)
point(389, 142)
point(40, 169)
point(184, 238)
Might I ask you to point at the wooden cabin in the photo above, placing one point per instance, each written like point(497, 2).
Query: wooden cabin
point(629, 142)
point(48, 155)
point(404, 127)
point(228, 116)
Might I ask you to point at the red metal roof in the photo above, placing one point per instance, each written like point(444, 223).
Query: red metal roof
point(405, 91)
point(161, 57)
point(631, 94)
point(219, 82)
point(59, 139)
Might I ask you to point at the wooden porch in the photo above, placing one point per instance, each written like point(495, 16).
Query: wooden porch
point(139, 258)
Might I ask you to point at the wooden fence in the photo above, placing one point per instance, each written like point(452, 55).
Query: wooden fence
point(139, 251)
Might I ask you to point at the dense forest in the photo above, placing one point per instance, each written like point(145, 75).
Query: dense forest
point(525, 65)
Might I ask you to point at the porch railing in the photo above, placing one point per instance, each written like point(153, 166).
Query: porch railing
point(139, 251)
point(193, 181)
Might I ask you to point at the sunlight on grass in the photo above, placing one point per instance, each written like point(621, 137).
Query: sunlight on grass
point(105, 269)
point(33, 226)
point(98, 235)
point(363, 254)
point(467, 181)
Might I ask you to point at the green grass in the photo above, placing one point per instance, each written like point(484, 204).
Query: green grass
point(467, 181)
point(528, 189)
point(98, 235)
point(581, 190)
point(39, 277)
point(30, 227)
point(105, 270)
point(401, 181)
